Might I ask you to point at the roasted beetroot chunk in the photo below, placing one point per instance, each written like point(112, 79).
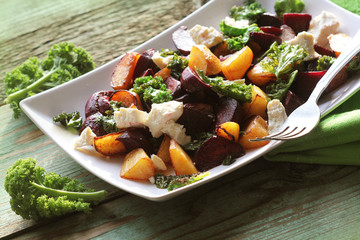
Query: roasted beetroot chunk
point(271, 29)
point(145, 63)
point(324, 51)
point(182, 40)
point(91, 121)
point(133, 138)
point(291, 102)
point(264, 39)
point(197, 118)
point(297, 21)
point(214, 150)
point(191, 82)
point(98, 102)
point(228, 110)
point(174, 86)
point(268, 19)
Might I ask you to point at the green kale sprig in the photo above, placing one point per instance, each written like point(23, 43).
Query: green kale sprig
point(37, 195)
point(152, 89)
point(251, 10)
point(239, 92)
point(173, 182)
point(70, 120)
point(324, 63)
point(282, 60)
point(177, 66)
point(237, 38)
point(288, 6)
point(63, 63)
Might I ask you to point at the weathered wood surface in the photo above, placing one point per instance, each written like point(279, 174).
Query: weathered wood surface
point(262, 200)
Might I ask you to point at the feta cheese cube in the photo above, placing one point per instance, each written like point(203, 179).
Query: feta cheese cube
point(276, 115)
point(207, 36)
point(306, 41)
point(160, 61)
point(86, 138)
point(160, 114)
point(236, 24)
point(176, 131)
point(130, 117)
point(322, 26)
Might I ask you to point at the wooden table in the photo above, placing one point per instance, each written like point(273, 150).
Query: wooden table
point(262, 200)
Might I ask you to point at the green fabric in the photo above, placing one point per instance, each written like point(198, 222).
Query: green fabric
point(336, 140)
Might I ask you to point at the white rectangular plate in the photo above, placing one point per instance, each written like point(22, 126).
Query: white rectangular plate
point(73, 95)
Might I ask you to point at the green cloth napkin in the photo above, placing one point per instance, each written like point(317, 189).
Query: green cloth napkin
point(336, 140)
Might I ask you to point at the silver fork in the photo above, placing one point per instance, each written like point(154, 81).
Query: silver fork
point(301, 121)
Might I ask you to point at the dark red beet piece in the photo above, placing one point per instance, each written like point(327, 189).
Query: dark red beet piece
point(182, 40)
point(191, 82)
point(264, 39)
point(271, 29)
point(144, 63)
point(287, 33)
point(174, 86)
point(324, 51)
point(268, 19)
point(297, 21)
point(98, 102)
point(133, 138)
point(91, 121)
point(228, 110)
point(214, 150)
point(291, 102)
point(197, 118)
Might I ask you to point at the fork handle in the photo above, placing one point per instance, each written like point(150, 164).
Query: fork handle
point(335, 68)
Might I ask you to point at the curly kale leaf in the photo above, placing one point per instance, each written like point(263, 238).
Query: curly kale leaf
point(70, 120)
point(177, 66)
point(251, 10)
point(240, 92)
point(237, 37)
point(64, 62)
point(37, 195)
point(173, 182)
point(354, 65)
point(152, 89)
point(108, 123)
point(325, 63)
point(288, 6)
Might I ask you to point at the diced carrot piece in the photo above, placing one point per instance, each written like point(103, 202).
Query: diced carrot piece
point(235, 66)
point(123, 75)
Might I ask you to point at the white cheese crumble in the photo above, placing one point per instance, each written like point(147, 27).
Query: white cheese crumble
point(322, 26)
point(276, 115)
point(236, 24)
point(86, 138)
point(306, 41)
point(160, 61)
point(130, 117)
point(177, 132)
point(162, 113)
point(207, 36)
point(161, 119)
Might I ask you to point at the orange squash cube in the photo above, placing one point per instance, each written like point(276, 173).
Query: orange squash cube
point(201, 58)
point(108, 145)
point(137, 165)
point(122, 77)
point(235, 66)
point(182, 163)
point(259, 76)
point(229, 130)
point(127, 98)
point(256, 128)
point(163, 151)
point(258, 103)
point(338, 42)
